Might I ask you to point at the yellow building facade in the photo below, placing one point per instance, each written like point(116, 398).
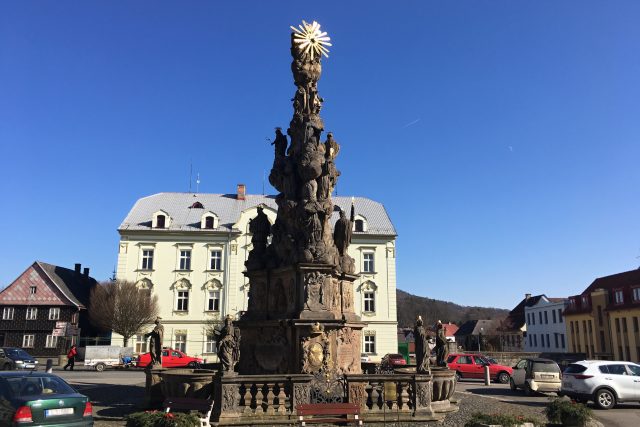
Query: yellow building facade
point(603, 321)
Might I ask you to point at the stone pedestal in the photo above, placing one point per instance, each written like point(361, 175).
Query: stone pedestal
point(300, 319)
point(154, 396)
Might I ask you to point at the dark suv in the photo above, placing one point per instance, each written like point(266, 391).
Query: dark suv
point(20, 358)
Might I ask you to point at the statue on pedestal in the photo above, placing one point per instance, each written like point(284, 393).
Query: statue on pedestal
point(228, 345)
point(155, 343)
point(441, 345)
point(422, 347)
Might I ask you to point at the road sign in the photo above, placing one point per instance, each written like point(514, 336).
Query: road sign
point(58, 332)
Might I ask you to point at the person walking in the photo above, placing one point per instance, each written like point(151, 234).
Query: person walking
point(71, 357)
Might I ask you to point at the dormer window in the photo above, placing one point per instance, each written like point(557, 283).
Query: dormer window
point(209, 221)
point(161, 219)
point(585, 301)
point(618, 296)
point(196, 205)
point(572, 303)
point(360, 224)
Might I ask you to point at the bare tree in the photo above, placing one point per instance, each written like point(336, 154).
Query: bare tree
point(122, 307)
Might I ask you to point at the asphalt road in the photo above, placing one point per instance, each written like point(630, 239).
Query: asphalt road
point(623, 415)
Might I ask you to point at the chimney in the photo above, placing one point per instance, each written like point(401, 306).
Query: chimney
point(527, 296)
point(78, 266)
point(85, 272)
point(241, 192)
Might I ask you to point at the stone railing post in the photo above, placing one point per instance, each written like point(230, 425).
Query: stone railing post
point(423, 390)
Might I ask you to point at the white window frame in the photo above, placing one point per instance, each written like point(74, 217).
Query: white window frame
point(618, 296)
point(182, 300)
point(28, 341)
point(7, 313)
point(184, 259)
point(636, 294)
point(369, 345)
point(180, 342)
point(140, 344)
point(368, 262)
point(213, 296)
point(369, 301)
point(51, 342)
point(31, 313)
point(33, 290)
point(146, 261)
point(215, 261)
point(210, 344)
point(54, 313)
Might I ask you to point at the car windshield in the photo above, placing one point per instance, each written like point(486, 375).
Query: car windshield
point(545, 367)
point(18, 353)
point(12, 387)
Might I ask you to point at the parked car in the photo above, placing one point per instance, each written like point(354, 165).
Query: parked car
point(472, 366)
point(33, 398)
point(393, 359)
point(603, 382)
point(170, 359)
point(6, 363)
point(21, 359)
point(536, 375)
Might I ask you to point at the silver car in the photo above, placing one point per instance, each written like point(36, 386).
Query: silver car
point(604, 382)
point(536, 375)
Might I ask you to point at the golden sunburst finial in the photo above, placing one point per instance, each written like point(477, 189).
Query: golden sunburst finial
point(311, 40)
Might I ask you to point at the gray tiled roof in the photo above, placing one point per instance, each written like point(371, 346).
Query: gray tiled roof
point(73, 285)
point(228, 210)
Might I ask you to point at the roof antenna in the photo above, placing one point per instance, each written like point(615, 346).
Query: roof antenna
point(190, 173)
point(198, 183)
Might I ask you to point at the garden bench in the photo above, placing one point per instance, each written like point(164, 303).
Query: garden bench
point(332, 413)
point(188, 404)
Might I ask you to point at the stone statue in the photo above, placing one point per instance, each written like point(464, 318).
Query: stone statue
point(280, 143)
point(441, 345)
point(343, 231)
point(422, 347)
point(155, 343)
point(260, 228)
point(228, 345)
point(332, 148)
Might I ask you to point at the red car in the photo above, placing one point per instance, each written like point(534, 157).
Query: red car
point(393, 359)
point(472, 366)
point(170, 359)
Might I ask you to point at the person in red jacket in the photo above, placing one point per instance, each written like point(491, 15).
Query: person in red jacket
point(71, 356)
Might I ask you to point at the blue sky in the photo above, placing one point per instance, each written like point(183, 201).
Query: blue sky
point(502, 136)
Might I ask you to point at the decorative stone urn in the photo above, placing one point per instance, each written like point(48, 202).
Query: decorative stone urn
point(196, 383)
point(444, 385)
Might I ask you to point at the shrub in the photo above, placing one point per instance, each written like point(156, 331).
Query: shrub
point(501, 419)
point(567, 412)
point(161, 419)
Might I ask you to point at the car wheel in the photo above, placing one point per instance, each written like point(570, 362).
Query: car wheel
point(192, 364)
point(512, 385)
point(100, 367)
point(605, 399)
point(503, 377)
point(6, 367)
point(527, 389)
point(458, 376)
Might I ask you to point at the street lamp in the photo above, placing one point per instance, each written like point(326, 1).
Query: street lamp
point(480, 338)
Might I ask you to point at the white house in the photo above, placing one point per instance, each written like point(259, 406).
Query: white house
point(546, 329)
point(190, 249)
